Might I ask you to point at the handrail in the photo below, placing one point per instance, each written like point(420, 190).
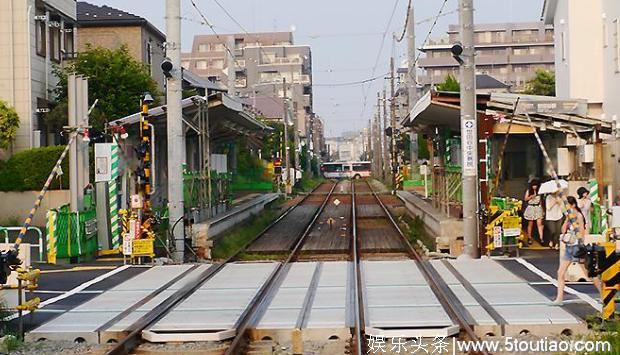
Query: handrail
point(6, 231)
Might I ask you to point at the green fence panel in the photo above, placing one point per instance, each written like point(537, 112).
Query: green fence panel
point(73, 238)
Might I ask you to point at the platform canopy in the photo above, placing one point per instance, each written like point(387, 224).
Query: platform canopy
point(442, 109)
point(227, 117)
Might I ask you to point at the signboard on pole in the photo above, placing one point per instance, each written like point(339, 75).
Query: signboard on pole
point(127, 244)
point(468, 131)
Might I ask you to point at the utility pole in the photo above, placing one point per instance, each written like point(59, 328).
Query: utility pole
point(412, 82)
point(176, 144)
point(378, 145)
point(288, 188)
point(369, 143)
point(309, 134)
point(295, 140)
point(393, 124)
point(230, 59)
point(469, 136)
point(386, 158)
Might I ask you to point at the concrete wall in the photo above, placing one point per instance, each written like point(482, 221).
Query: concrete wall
point(18, 204)
point(611, 73)
point(578, 44)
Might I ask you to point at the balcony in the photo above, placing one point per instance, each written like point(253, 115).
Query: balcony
point(241, 82)
point(281, 60)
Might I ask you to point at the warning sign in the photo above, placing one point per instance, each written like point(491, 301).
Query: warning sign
point(127, 244)
point(142, 247)
point(497, 236)
point(512, 226)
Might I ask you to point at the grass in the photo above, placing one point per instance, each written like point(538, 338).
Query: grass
point(603, 332)
point(308, 183)
point(10, 221)
point(414, 230)
point(233, 240)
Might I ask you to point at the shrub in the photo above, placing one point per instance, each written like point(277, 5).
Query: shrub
point(9, 123)
point(29, 169)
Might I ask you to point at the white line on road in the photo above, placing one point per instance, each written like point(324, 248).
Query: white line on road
point(74, 290)
point(584, 297)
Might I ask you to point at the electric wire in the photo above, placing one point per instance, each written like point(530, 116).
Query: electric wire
point(430, 31)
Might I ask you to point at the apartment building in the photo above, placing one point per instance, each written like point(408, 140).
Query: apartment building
point(261, 61)
point(509, 52)
point(105, 26)
point(35, 35)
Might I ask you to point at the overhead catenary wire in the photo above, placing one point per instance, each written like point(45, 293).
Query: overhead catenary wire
point(430, 31)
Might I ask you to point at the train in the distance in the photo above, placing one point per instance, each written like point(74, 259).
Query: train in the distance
point(346, 170)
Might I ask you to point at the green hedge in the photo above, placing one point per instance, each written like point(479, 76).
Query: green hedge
point(29, 169)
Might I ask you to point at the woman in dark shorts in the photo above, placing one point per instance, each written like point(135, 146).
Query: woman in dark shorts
point(572, 237)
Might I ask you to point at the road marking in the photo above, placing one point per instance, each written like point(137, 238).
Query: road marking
point(80, 268)
point(584, 297)
point(74, 290)
point(60, 292)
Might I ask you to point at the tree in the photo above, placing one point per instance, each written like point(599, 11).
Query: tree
point(449, 84)
point(114, 77)
point(9, 123)
point(542, 84)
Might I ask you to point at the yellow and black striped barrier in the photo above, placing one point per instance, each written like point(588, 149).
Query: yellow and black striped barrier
point(398, 180)
point(609, 267)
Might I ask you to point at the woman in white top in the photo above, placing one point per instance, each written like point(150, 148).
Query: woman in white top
point(553, 220)
point(575, 232)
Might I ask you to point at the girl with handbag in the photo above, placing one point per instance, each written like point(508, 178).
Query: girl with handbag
point(572, 236)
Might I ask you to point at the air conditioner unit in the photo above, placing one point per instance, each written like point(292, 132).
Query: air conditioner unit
point(586, 153)
point(565, 162)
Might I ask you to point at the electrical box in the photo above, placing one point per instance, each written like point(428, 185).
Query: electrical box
point(565, 162)
point(219, 163)
point(586, 153)
point(615, 217)
point(574, 141)
point(103, 161)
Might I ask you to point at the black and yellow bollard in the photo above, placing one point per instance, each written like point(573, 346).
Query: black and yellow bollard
point(609, 267)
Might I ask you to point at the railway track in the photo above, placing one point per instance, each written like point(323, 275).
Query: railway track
point(134, 332)
point(447, 299)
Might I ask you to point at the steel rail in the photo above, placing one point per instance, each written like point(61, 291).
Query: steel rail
point(360, 320)
point(274, 279)
point(431, 278)
point(134, 337)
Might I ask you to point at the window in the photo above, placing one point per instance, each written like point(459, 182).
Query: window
point(69, 47)
point(202, 48)
point(149, 53)
point(217, 63)
point(563, 45)
point(605, 31)
point(55, 42)
point(201, 64)
point(616, 38)
point(40, 37)
point(519, 51)
point(217, 47)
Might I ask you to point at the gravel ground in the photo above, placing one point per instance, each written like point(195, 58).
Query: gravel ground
point(58, 347)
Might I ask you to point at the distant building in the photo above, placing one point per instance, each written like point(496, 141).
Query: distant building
point(350, 146)
point(261, 62)
point(509, 52)
point(104, 26)
point(318, 136)
point(35, 35)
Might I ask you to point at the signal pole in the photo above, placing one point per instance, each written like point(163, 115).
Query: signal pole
point(469, 133)
point(386, 158)
point(393, 124)
point(412, 82)
point(287, 166)
point(175, 128)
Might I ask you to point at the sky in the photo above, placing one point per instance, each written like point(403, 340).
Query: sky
point(346, 37)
